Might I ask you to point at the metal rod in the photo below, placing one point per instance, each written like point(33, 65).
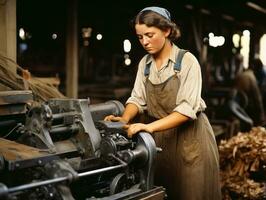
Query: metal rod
point(58, 118)
point(97, 171)
point(60, 179)
point(37, 184)
point(64, 129)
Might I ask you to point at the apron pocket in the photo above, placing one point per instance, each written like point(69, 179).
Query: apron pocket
point(191, 151)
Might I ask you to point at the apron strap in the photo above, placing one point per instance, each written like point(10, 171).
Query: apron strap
point(179, 58)
point(147, 67)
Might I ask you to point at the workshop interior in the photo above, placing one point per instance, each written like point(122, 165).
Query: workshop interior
point(66, 65)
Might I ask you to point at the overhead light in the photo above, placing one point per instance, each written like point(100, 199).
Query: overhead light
point(99, 36)
point(22, 34)
point(256, 7)
point(54, 36)
point(216, 41)
point(236, 40)
point(127, 61)
point(246, 33)
point(127, 45)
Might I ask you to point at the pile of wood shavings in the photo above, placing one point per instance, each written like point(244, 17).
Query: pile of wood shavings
point(243, 165)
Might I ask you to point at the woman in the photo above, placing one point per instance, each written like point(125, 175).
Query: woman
point(168, 87)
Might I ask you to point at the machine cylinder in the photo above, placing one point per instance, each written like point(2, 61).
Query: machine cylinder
point(99, 111)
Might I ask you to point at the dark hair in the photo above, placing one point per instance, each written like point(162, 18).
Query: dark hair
point(150, 18)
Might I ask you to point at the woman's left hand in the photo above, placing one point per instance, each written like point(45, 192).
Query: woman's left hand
point(135, 128)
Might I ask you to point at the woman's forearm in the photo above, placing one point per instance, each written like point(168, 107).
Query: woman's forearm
point(130, 112)
point(170, 121)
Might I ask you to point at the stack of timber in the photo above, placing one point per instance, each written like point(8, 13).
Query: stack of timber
point(243, 165)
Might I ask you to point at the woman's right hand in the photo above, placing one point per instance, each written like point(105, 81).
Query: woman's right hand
point(115, 119)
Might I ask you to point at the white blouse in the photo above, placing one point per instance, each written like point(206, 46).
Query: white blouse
point(188, 100)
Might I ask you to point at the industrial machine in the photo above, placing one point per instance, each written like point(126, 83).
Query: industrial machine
point(62, 149)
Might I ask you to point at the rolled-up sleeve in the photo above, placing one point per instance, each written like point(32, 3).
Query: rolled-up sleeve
point(189, 94)
point(138, 94)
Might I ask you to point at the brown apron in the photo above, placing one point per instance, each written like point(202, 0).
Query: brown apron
point(188, 166)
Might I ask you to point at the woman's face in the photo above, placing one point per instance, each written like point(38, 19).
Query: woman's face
point(151, 38)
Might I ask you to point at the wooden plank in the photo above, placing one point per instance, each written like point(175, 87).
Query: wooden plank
point(156, 196)
point(15, 97)
point(11, 150)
